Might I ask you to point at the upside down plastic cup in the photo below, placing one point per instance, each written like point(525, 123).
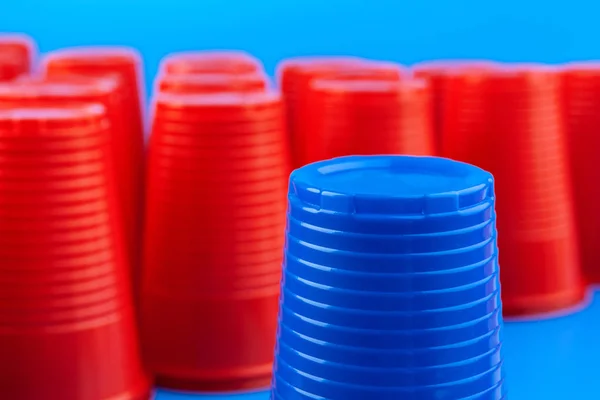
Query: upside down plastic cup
point(295, 78)
point(365, 117)
point(126, 64)
point(210, 62)
point(215, 217)
point(541, 269)
point(390, 282)
point(580, 85)
point(66, 312)
point(105, 91)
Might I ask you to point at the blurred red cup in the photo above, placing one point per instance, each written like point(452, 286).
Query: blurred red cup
point(580, 86)
point(296, 76)
point(65, 299)
point(539, 255)
point(215, 217)
point(105, 91)
point(210, 62)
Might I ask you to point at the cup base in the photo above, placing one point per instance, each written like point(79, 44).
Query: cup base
point(525, 306)
point(211, 385)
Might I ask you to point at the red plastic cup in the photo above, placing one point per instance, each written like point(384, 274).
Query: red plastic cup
point(215, 218)
point(539, 255)
point(580, 84)
point(366, 117)
point(66, 314)
point(437, 74)
point(105, 91)
point(16, 56)
point(210, 62)
point(212, 83)
point(296, 76)
point(127, 65)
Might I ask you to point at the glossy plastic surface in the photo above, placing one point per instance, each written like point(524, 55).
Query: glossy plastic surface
point(295, 78)
point(126, 65)
point(215, 217)
point(390, 283)
point(580, 85)
point(65, 306)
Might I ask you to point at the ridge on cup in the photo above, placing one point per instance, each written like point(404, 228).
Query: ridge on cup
point(211, 106)
point(212, 83)
point(30, 89)
point(216, 99)
point(347, 184)
point(366, 85)
point(57, 115)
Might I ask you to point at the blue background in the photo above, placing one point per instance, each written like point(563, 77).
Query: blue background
point(551, 359)
point(405, 31)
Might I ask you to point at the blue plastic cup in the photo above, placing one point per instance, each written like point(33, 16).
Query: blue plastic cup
point(390, 286)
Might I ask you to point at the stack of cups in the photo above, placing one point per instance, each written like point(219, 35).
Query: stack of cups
point(581, 102)
point(66, 316)
point(536, 219)
point(16, 56)
point(390, 286)
point(349, 117)
point(437, 73)
point(125, 64)
point(207, 62)
point(296, 77)
point(215, 217)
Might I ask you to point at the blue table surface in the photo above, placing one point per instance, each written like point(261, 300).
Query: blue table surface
point(553, 358)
